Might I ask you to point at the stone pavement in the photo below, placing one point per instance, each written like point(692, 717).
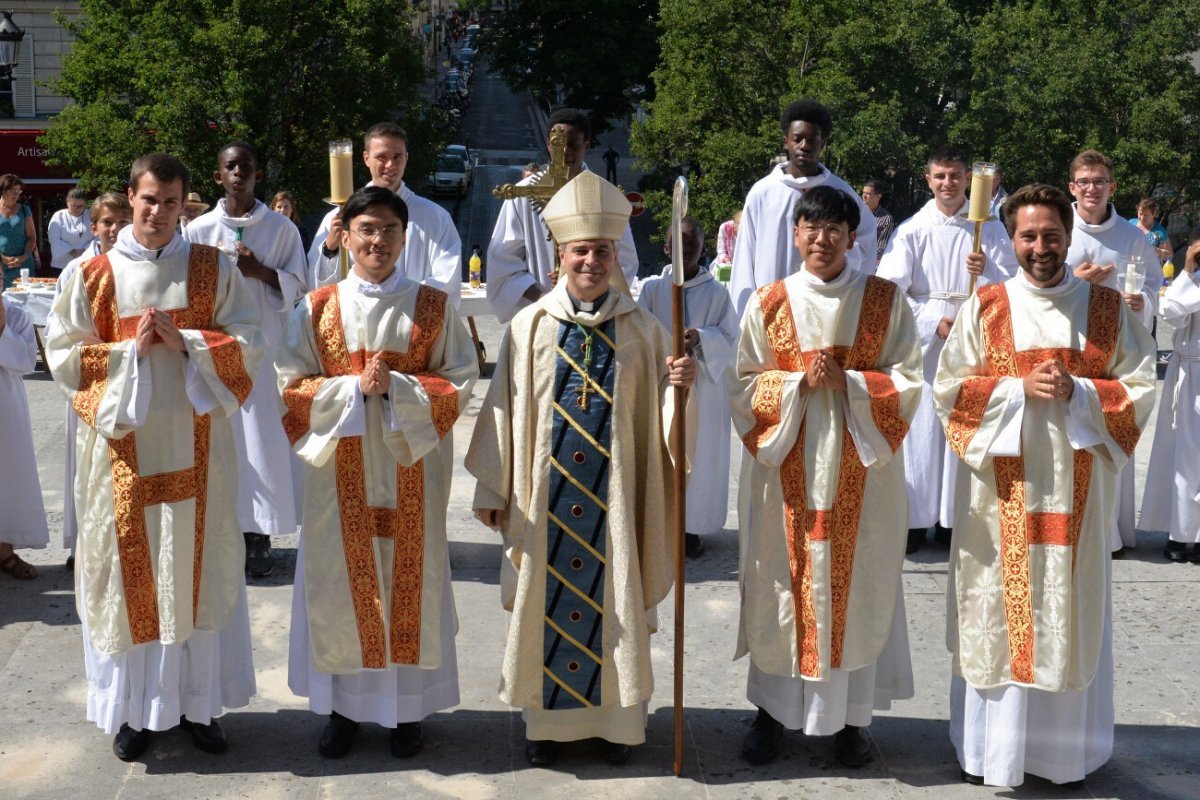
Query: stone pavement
point(48, 750)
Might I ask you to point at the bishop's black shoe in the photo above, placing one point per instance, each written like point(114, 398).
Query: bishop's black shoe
point(1176, 551)
point(407, 739)
point(974, 780)
point(128, 744)
point(541, 753)
point(337, 737)
point(851, 747)
point(260, 561)
point(693, 545)
point(209, 738)
point(761, 745)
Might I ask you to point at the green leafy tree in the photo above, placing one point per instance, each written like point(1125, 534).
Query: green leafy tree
point(598, 54)
point(186, 76)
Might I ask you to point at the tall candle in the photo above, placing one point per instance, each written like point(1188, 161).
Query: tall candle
point(982, 174)
point(341, 171)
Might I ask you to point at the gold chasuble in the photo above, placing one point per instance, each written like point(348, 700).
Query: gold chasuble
point(375, 490)
point(822, 500)
point(1028, 578)
point(160, 551)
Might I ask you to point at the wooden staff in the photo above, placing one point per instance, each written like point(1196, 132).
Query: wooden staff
point(679, 202)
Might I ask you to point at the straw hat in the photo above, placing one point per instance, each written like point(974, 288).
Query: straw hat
point(195, 201)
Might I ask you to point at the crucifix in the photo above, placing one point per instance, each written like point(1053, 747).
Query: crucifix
point(545, 184)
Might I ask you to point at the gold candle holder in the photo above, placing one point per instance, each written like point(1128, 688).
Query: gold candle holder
point(983, 174)
point(341, 171)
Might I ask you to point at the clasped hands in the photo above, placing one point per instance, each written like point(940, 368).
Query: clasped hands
point(1049, 380)
point(824, 373)
point(376, 377)
point(157, 327)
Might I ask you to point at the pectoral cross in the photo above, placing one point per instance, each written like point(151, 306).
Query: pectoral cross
point(585, 387)
point(582, 391)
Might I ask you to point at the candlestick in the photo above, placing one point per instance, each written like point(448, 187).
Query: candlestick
point(341, 171)
point(982, 175)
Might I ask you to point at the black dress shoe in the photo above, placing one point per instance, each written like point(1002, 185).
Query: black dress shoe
point(916, 538)
point(337, 736)
point(693, 545)
point(1119, 553)
point(70, 562)
point(851, 747)
point(942, 534)
point(615, 753)
point(1176, 551)
point(260, 561)
point(1194, 554)
point(209, 738)
point(761, 745)
point(128, 744)
point(974, 780)
point(407, 739)
point(541, 753)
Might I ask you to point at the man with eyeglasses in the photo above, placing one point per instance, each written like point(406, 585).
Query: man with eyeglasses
point(930, 259)
point(828, 377)
point(432, 254)
point(1103, 245)
point(375, 371)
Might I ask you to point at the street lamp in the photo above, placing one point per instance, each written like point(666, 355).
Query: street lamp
point(10, 36)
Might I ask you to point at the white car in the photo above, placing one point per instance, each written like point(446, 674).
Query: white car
point(449, 175)
point(462, 152)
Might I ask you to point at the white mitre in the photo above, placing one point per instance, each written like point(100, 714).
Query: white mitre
point(587, 207)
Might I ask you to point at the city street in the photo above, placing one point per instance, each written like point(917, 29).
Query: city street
point(49, 750)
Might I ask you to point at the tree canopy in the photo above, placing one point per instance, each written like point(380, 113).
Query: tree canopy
point(599, 54)
point(1027, 84)
point(187, 76)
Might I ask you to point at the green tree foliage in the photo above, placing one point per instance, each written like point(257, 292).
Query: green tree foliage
point(186, 76)
point(1028, 84)
point(599, 53)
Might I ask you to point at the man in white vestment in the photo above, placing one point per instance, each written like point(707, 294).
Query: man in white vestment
point(931, 260)
point(1044, 386)
point(710, 335)
point(571, 457)
point(828, 377)
point(1171, 501)
point(375, 371)
point(764, 251)
point(267, 249)
point(521, 256)
point(155, 343)
point(1101, 251)
point(432, 253)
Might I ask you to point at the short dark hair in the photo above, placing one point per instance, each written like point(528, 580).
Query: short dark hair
point(77, 194)
point(573, 117)
point(1038, 194)
point(875, 184)
point(164, 167)
point(807, 110)
point(370, 196)
point(827, 203)
point(240, 145)
point(944, 155)
point(384, 130)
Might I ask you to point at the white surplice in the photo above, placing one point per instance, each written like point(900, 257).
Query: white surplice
point(927, 259)
point(377, 478)
point(432, 252)
point(1029, 584)
point(521, 255)
point(765, 251)
point(68, 232)
point(158, 643)
point(1114, 241)
point(70, 518)
point(708, 309)
point(23, 521)
point(1171, 501)
point(821, 499)
point(266, 498)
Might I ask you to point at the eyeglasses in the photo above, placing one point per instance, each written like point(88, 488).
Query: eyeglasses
point(833, 233)
point(1087, 183)
point(389, 234)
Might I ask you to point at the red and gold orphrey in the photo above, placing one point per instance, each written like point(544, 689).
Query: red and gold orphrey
point(132, 491)
point(361, 523)
point(839, 524)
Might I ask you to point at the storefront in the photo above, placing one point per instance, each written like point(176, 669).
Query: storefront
point(45, 188)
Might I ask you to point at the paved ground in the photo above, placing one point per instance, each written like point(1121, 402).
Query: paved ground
point(475, 751)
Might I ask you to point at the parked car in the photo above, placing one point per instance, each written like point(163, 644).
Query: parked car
point(449, 175)
point(462, 152)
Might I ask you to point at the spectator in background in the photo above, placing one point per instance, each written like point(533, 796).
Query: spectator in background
point(18, 236)
point(726, 236)
point(283, 203)
point(70, 230)
point(872, 195)
point(999, 195)
point(192, 208)
point(532, 168)
point(1156, 234)
point(611, 159)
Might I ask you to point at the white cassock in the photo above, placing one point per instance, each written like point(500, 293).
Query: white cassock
point(1113, 242)
point(1171, 501)
point(432, 252)
point(373, 619)
point(23, 521)
point(521, 255)
point(765, 251)
point(68, 232)
point(708, 309)
point(927, 259)
point(822, 546)
point(266, 497)
point(166, 629)
point(1029, 589)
